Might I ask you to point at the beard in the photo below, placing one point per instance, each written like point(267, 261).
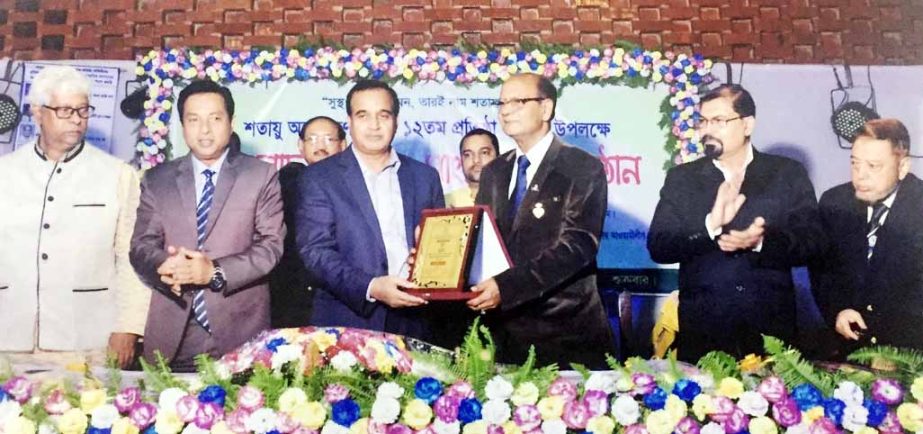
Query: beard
point(714, 147)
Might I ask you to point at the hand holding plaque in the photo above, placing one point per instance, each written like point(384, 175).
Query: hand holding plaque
point(457, 248)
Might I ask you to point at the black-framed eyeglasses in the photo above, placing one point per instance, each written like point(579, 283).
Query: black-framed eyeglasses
point(518, 102)
point(66, 112)
point(720, 123)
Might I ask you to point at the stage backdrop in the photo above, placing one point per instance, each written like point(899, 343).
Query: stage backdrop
point(617, 124)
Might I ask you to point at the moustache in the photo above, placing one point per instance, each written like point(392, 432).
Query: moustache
point(714, 147)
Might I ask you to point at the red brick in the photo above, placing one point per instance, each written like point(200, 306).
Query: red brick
point(532, 25)
point(501, 13)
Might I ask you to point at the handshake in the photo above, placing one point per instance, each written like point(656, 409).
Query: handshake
point(185, 267)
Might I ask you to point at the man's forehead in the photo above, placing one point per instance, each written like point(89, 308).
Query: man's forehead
point(69, 96)
point(476, 142)
point(722, 105)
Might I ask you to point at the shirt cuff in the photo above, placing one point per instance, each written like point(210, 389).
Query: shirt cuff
point(759, 246)
point(712, 233)
point(368, 292)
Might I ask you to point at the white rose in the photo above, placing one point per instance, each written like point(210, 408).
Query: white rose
point(104, 416)
point(712, 428)
point(446, 428)
point(332, 427)
point(848, 392)
point(801, 428)
point(626, 410)
point(555, 426)
point(753, 404)
point(194, 429)
point(9, 409)
point(47, 428)
point(284, 354)
point(224, 373)
point(169, 398)
point(389, 390)
point(704, 380)
point(261, 421)
point(343, 361)
point(604, 381)
point(498, 389)
point(855, 417)
point(496, 412)
point(386, 410)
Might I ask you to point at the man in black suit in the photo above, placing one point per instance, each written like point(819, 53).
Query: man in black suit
point(736, 222)
point(549, 200)
point(869, 285)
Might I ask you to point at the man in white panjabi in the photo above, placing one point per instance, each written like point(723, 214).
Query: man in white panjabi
point(67, 210)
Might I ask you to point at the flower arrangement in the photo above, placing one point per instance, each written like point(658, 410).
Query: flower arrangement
point(250, 391)
point(162, 70)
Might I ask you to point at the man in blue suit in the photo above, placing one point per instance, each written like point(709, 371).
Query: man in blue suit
point(356, 218)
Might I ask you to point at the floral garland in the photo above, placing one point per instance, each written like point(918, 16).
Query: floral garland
point(363, 398)
point(164, 69)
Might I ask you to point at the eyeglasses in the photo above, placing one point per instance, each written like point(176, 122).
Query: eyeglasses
point(66, 112)
point(317, 140)
point(518, 102)
point(720, 123)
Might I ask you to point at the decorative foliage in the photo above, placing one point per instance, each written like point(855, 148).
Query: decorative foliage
point(298, 396)
point(163, 70)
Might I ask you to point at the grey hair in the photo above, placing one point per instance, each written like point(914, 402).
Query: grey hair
point(57, 79)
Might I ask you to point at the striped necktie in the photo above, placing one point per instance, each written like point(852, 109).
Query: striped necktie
point(878, 210)
point(519, 192)
point(201, 217)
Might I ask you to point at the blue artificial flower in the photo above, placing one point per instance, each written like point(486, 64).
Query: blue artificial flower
point(877, 412)
point(807, 396)
point(213, 393)
point(450, 76)
point(833, 409)
point(636, 52)
point(648, 59)
point(686, 390)
point(345, 412)
point(149, 430)
point(283, 53)
point(428, 389)
point(579, 75)
point(164, 117)
point(691, 148)
point(469, 410)
point(274, 344)
point(148, 66)
point(308, 52)
point(171, 58)
point(695, 79)
point(632, 72)
point(377, 74)
point(656, 399)
point(94, 430)
point(520, 55)
point(677, 72)
point(685, 62)
point(275, 431)
point(492, 55)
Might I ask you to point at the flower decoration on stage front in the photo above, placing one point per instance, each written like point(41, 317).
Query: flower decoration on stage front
point(164, 69)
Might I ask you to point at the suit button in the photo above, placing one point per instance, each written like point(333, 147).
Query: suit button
point(309, 288)
point(740, 288)
point(46, 225)
point(51, 198)
point(874, 340)
point(869, 308)
point(59, 170)
point(44, 256)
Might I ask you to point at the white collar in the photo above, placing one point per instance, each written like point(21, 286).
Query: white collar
point(198, 166)
point(537, 153)
point(393, 160)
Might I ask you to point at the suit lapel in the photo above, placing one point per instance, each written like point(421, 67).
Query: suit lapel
point(534, 189)
point(501, 194)
point(355, 183)
point(226, 179)
point(757, 176)
point(408, 197)
point(185, 186)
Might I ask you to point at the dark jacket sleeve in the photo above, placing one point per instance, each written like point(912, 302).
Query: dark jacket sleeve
point(671, 238)
point(317, 244)
point(800, 237)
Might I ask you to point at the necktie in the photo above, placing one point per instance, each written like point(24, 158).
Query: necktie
point(521, 186)
point(878, 210)
point(201, 217)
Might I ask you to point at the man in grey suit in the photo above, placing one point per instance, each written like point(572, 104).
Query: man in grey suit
point(209, 231)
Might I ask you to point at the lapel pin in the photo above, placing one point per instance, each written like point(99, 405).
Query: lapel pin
point(538, 210)
point(534, 187)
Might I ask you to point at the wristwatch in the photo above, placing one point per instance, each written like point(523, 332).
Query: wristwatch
point(218, 282)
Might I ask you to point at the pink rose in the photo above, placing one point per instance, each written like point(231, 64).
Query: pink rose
point(250, 398)
point(773, 389)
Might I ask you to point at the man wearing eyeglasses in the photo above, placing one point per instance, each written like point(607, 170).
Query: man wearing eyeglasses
point(67, 214)
point(549, 200)
point(292, 286)
point(736, 222)
point(869, 284)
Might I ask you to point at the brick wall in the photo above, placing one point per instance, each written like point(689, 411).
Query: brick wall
point(763, 31)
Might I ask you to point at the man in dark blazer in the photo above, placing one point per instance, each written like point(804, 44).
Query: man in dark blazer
point(209, 231)
point(550, 201)
point(736, 222)
point(356, 218)
point(291, 284)
point(869, 284)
